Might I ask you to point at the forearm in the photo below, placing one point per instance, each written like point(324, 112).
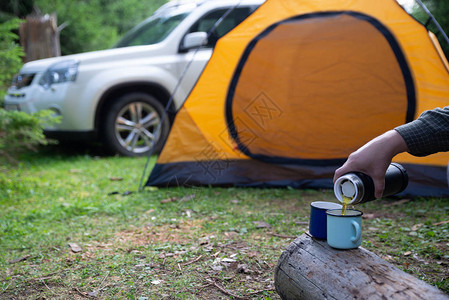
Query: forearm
point(428, 134)
point(374, 157)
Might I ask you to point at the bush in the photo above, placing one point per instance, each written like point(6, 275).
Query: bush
point(20, 132)
point(10, 55)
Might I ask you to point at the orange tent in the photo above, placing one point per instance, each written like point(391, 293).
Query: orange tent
point(298, 86)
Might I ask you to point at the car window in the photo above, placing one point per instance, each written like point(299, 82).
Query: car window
point(207, 22)
point(151, 32)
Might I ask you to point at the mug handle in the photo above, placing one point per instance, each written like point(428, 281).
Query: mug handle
point(358, 232)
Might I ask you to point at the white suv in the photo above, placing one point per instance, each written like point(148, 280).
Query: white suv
point(117, 96)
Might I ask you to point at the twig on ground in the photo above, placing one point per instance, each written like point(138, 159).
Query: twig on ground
point(19, 259)
point(48, 287)
point(226, 278)
point(81, 293)
point(224, 291)
point(192, 261)
point(282, 235)
point(261, 291)
point(101, 283)
point(48, 276)
point(440, 223)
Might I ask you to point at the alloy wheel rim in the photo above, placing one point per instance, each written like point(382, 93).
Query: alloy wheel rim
point(136, 125)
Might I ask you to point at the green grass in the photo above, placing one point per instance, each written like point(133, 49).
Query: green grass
point(177, 243)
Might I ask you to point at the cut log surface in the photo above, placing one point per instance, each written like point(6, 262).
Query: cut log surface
point(311, 269)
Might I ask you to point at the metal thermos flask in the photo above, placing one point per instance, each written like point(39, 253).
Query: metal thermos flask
point(359, 187)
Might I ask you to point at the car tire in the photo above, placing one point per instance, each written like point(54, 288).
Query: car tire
point(131, 122)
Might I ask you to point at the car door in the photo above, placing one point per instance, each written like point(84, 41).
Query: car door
point(192, 62)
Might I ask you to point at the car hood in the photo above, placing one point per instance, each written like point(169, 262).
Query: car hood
point(93, 57)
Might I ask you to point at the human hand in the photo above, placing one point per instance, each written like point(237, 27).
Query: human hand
point(373, 159)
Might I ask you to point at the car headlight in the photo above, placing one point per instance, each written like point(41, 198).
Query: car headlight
point(60, 72)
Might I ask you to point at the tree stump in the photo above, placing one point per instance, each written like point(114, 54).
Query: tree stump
point(311, 269)
point(39, 36)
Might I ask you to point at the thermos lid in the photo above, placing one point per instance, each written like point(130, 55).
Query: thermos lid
point(348, 189)
point(350, 186)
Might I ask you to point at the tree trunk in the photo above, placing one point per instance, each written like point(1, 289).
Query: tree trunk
point(39, 37)
point(310, 269)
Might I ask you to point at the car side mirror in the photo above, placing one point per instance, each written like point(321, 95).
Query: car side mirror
point(193, 40)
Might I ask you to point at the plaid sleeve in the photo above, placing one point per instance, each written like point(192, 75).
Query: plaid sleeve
point(428, 134)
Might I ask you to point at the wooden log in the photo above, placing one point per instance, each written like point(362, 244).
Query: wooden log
point(39, 36)
point(311, 269)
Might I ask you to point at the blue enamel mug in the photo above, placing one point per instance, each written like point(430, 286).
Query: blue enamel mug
point(318, 220)
point(344, 231)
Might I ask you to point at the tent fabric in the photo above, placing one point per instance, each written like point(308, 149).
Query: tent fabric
point(299, 85)
point(382, 80)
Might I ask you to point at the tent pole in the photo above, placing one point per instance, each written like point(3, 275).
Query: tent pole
point(423, 6)
point(170, 100)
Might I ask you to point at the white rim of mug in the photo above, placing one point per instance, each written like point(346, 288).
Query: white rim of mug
point(329, 213)
point(336, 205)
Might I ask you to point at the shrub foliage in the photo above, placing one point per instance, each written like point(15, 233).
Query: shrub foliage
point(21, 132)
point(10, 54)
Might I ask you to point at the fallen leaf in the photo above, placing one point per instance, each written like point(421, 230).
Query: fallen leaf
point(243, 268)
point(252, 254)
point(387, 257)
point(228, 260)
point(416, 227)
point(75, 247)
point(116, 178)
point(368, 216)
point(168, 200)
point(205, 240)
point(261, 224)
point(230, 234)
point(407, 253)
point(187, 198)
point(93, 294)
point(216, 267)
point(141, 265)
point(420, 259)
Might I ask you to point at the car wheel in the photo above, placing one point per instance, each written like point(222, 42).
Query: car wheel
point(131, 123)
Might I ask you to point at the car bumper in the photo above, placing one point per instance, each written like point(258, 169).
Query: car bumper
point(63, 100)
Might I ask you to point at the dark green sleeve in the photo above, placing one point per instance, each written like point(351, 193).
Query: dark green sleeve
point(428, 134)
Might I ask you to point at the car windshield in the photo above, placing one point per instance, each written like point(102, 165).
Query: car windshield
point(151, 31)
